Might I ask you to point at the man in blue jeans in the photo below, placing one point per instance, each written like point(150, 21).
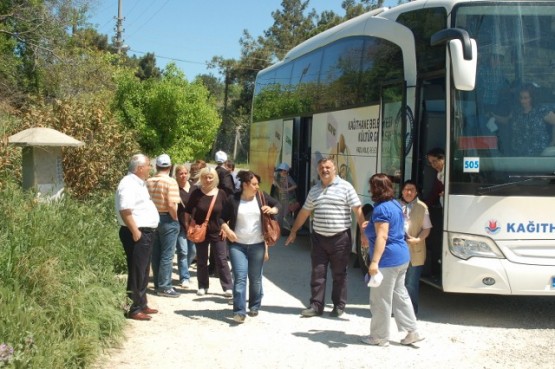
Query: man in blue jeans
point(164, 192)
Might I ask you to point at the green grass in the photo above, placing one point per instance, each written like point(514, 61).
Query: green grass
point(60, 300)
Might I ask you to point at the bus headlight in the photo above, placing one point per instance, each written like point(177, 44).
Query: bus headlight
point(465, 246)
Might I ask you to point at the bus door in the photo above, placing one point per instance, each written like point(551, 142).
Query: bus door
point(301, 163)
point(396, 134)
point(431, 134)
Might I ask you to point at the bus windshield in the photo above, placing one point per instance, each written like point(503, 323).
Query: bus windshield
point(503, 132)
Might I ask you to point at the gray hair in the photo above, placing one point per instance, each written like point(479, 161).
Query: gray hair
point(136, 161)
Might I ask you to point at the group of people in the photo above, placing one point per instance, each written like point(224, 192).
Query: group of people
point(394, 236)
point(154, 214)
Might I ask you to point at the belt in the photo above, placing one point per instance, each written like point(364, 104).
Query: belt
point(147, 229)
point(164, 213)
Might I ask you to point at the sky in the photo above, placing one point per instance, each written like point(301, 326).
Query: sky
point(190, 32)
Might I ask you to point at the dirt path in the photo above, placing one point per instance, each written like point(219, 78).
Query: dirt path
point(462, 331)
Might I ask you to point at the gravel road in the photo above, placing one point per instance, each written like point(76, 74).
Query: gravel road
point(462, 331)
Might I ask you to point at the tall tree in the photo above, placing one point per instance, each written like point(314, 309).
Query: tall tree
point(214, 86)
point(291, 26)
point(147, 67)
point(354, 8)
point(170, 114)
point(32, 33)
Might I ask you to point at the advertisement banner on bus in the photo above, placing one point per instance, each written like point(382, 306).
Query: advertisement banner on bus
point(351, 138)
point(266, 150)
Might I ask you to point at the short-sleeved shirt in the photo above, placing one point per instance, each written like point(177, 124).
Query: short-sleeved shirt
point(396, 249)
point(132, 194)
point(331, 206)
point(248, 227)
point(164, 191)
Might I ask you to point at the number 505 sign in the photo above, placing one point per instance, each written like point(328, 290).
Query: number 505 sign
point(471, 165)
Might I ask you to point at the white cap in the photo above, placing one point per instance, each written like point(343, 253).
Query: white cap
point(163, 161)
point(221, 157)
point(375, 280)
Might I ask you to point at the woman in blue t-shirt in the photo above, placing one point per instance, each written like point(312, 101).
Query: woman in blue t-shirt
point(389, 255)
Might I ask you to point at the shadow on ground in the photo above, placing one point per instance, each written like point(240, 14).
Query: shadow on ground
point(289, 269)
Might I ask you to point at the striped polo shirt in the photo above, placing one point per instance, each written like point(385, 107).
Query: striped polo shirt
point(164, 191)
point(331, 206)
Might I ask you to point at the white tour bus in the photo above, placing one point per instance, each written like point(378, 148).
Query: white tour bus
point(474, 78)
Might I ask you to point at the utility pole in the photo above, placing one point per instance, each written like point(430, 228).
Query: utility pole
point(119, 28)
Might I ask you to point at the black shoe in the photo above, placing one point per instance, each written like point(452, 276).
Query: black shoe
point(253, 313)
point(336, 313)
point(310, 312)
point(170, 292)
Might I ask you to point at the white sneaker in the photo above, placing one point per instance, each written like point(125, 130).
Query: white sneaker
point(185, 284)
point(228, 293)
point(412, 337)
point(201, 292)
point(369, 340)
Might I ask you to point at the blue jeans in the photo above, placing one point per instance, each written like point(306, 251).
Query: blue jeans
point(412, 282)
point(186, 252)
point(163, 251)
point(247, 261)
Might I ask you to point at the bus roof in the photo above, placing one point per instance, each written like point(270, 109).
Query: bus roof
point(356, 26)
point(352, 27)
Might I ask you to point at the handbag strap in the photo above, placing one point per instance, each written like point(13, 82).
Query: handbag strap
point(262, 199)
point(211, 206)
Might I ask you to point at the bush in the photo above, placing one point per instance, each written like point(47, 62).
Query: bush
point(60, 300)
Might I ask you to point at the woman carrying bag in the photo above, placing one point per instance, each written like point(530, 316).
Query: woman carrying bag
point(241, 221)
point(207, 202)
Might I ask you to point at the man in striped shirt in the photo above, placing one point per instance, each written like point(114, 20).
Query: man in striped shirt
point(330, 202)
point(164, 192)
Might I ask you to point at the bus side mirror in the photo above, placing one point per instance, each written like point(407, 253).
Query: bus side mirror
point(464, 71)
point(463, 53)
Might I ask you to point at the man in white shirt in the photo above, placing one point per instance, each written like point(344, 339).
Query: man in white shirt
point(138, 218)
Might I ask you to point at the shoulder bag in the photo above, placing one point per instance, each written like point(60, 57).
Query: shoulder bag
point(270, 226)
point(197, 232)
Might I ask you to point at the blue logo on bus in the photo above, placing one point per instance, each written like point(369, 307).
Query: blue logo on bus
point(492, 227)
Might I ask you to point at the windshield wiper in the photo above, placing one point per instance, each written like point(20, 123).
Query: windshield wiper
point(534, 176)
point(487, 189)
point(526, 178)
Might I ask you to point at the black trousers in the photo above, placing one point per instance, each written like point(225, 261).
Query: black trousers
point(333, 251)
point(138, 264)
point(219, 250)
